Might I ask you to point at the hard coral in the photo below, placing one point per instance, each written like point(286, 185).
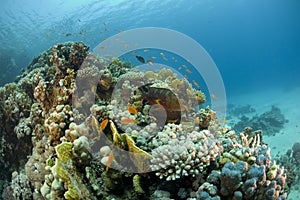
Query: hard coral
point(177, 154)
point(79, 129)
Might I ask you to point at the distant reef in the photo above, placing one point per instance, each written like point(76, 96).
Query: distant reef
point(270, 122)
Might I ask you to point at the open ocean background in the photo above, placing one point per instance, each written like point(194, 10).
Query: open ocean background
point(255, 44)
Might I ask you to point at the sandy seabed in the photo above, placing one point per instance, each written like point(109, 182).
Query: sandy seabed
point(288, 100)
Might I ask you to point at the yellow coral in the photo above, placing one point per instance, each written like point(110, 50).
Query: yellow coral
point(136, 180)
point(140, 158)
point(65, 169)
point(272, 172)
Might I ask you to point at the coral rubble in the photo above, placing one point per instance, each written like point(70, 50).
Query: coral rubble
point(83, 127)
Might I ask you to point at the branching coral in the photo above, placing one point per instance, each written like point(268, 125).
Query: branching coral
point(177, 153)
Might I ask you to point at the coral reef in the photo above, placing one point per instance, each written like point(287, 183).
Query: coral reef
point(270, 122)
point(78, 126)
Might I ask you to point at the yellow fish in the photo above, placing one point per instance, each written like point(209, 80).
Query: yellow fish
point(196, 84)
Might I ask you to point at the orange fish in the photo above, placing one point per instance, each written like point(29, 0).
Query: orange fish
point(165, 58)
point(93, 88)
point(150, 62)
point(223, 121)
point(126, 46)
point(188, 71)
point(103, 125)
point(162, 54)
point(196, 84)
point(109, 160)
point(213, 96)
point(101, 47)
point(128, 121)
point(146, 50)
point(132, 110)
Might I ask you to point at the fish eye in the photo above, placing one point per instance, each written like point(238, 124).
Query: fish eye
point(144, 89)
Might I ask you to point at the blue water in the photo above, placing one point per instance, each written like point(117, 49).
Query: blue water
point(255, 44)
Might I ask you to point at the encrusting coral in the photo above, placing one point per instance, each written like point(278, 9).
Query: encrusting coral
point(100, 129)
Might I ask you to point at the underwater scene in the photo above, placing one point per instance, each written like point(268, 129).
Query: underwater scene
point(150, 100)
